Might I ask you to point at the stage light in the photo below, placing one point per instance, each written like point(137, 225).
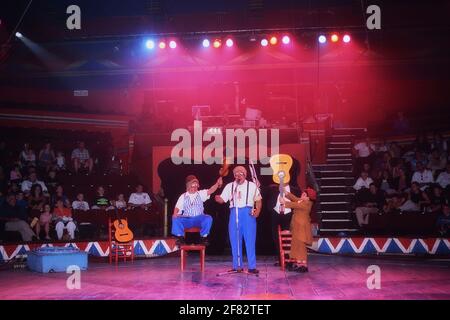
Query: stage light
point(273, 41)
point(229, 43)
point(264, 42)
point(217, 43)
point(172, 44)
point(346, 38)
point(322, 39)
point(150, 44)
point(19, 35)
point(286, 39)
point(205, 43)
point(162, 45)
point(334, 38)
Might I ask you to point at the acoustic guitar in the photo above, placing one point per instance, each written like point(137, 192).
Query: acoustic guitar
point(122, 232)
point(281, 164)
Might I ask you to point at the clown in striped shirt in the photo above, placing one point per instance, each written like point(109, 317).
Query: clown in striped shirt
point(189, 210)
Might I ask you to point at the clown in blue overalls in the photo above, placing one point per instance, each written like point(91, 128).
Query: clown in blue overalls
point(189, 211)
point(243, 195)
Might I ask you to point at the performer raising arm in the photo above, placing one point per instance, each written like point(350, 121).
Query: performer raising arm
point(189, 210)
point(243, 195)
point(300, 226)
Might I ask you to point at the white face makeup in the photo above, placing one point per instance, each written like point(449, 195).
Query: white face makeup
point(192, 186)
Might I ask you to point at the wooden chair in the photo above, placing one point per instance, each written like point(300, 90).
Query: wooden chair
point(122, 249)
point(284, 241)
point(192, 247)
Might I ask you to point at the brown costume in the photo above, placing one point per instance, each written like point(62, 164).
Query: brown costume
point(300, 227)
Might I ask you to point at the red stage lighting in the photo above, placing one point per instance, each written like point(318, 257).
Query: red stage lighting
point(273, 41)
point(229, 42)
point(286, 39)
point(334, 37)
point(162, 45)
point(264, 42)
point(217, 43)
point(346, 38)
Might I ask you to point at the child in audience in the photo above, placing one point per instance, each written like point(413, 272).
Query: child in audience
point(44, 221)
point(120, 203)
point(60, 161)
point(80, 204)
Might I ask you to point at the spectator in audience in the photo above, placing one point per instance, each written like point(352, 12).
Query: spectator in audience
point(60, 195)
point(437, 199)
point(11, 214)
point(370, 202)
point(36, 200)
point(439, 143)
point(400, 182)
point(23, 205)
point(401, 124)
point(27, 156)
point(421, 144)
point(31, 181)
point(436, 161)
point(14, 188)
point(363, 181)
point(60, 162)
point(80, 204)
point(417, 199)
point(81, 158)
point(44, 221)
point(15, 175)
point(443, 221)
point(120, 202)
point(101, 201)
point(386, 184)
point(422, 176)
point(419, 157)
point(46, 157)
point(3, 180)
point(52, 181)
point(63, 217)
point(395, 150)
point(444, 178)
point(139, 199)
point(363, 152)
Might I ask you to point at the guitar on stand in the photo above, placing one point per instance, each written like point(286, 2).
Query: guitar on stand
point(122, 232)
point(281, 164)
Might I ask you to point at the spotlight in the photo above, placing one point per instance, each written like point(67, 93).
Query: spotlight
point(162, 45)
point(217, 43)
point(322, 39)
point(19, 35)
point(229, 43)
point(273, 40)
point(264, 42)
point(286, 39)
point(346, 38)
point(150, 44)
point(172, 44)
point(334, 38)
point(205, 43)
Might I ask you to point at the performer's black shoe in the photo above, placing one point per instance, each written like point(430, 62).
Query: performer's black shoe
point(204, 241)
point(180, 241)
point(235, 271)
point(301, 269)
point(253, 271)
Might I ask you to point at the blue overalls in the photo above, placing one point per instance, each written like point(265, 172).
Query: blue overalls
point(193, 217)
point(244, 228)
